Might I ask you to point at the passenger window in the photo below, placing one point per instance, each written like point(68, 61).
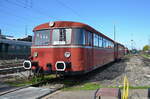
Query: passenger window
point(89, 38)
point(95, 40)
point(112, 45)
point(104, 43)
point(78, 36)
point(100, 41)
point(108, 45)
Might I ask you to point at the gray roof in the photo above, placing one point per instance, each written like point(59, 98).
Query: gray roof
point(15, 42)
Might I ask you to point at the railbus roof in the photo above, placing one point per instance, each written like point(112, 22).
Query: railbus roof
point(69, 24)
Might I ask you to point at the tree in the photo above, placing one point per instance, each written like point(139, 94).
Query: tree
point(146, 48)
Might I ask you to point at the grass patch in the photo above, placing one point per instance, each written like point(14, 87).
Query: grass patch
point(19, 83)
point(146, 56)
point(95, 86)
point(131, 87)
point(139, 87)
point(86, 86)
point(33, 80)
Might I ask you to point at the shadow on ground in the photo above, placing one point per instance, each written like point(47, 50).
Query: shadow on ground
point(107, 72)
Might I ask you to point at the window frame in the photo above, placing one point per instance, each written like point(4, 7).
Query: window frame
point(35, 34)
point(51, 37)
point(73, 37)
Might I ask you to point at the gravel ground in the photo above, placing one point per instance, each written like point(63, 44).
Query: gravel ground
point(136, 68)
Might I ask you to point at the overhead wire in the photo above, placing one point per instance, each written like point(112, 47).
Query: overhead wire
point(14, 15)
point(70, 8)
point(38, 11)
point(22, 5)
point(14, 3)
point(26, 3)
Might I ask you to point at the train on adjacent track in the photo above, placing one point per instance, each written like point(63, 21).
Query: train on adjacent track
point(70, 48)
point(12, 49)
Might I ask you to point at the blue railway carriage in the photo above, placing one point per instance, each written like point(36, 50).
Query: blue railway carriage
point(12, 49)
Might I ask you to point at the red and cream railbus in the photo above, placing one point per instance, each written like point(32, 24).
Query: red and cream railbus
point(70, 48)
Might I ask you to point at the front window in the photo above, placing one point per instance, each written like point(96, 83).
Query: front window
point(61, 36)
point(42, 37)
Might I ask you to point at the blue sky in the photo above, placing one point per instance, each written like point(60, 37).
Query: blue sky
point(131, 17)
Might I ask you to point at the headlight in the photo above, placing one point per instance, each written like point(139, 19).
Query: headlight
point(35, 54)
point(67, 54)
point(27, 64)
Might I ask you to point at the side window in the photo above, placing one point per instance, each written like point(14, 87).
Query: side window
point(106, 46)
point(104, 42)
point(78, 36)
point(109, 44)
point(95, 40)
point(89, 38)
point(112, 45)
point(100, 43)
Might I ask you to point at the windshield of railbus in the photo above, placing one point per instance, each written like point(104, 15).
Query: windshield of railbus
point(60, 36)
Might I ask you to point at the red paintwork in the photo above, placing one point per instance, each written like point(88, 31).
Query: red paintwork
point(82, 59)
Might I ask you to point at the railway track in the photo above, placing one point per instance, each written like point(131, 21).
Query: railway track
point(10, 65)
point(11, 68)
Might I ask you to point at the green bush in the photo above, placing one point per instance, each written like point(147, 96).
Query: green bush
point(146, 48)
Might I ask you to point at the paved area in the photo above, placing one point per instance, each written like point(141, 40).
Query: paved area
point(5, 87)
point(27, 93)
point(133, 94)
point(72, 95)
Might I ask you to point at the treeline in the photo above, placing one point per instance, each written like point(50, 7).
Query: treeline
point(146, 48)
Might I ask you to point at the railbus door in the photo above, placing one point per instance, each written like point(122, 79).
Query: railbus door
point(90, 52)
point(115, 51)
